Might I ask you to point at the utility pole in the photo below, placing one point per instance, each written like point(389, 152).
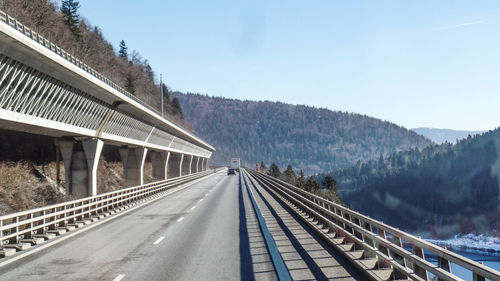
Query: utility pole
point(161, 98)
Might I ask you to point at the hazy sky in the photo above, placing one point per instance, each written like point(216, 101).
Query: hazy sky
point(415, 63)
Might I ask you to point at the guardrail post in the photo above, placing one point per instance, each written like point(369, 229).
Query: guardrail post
point(419, 252)
point(381, 247)
point(1, 233)
point(444, 264)
point(15, 239)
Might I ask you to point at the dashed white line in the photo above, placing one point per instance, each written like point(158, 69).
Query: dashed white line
point(192, 208)
point(119, 277)
point(158, 241)
point(201, 199)
point(180, 219)
point(206, 195)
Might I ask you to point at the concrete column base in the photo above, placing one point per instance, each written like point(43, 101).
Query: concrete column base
point(173, 165)
point(133, 164)
point(159, 160)
point(81, 159)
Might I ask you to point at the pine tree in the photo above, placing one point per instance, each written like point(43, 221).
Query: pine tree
point(176, 108)
point(289, 175)
point(166, 93)
point(330, 183)
point(122, 53)
point(274, 170)
point(301, 180)
point(312, 185)
point(69, 9)
point(129, 83)
point(263, 167)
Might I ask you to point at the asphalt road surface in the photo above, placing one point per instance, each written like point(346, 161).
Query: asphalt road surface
point(205, 232)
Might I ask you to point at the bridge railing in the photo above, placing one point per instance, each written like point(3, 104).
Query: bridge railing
point(5, 18)
point(388, 244)
point(28, 224)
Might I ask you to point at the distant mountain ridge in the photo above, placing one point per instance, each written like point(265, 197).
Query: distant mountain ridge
point(440, 136)
point(312, 139)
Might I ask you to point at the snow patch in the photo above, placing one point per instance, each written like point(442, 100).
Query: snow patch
point(480, 244)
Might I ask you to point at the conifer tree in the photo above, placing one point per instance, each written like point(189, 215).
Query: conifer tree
point(289, 175)
point(263, 167)
point(274, 170)
point(129, 83)
point(176, 108)
point(123, 50)
point(301, 180)
point(69, 9)
point(330, 183)
point(312, 185)
point(166, 94)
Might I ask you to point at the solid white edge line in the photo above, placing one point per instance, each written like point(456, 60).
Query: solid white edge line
point(194, 207)
point(95, 224)
point(159, 240)
point(180, 219)
point(201, 199)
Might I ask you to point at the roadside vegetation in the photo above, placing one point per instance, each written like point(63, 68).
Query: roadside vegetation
point(327, 188)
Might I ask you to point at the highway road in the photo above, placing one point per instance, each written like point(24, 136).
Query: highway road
point(198, 233)
point(206, 231)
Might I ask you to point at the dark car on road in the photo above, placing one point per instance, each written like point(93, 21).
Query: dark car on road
point(231, 171)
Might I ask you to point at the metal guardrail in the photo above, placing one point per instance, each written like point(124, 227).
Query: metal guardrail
point(378, 240)
point(30, 224)
point(4, 17)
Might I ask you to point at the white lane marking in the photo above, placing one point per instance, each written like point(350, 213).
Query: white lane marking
point(192, 208)
point(201, 199)
point(86, 228)
point(180, 219)
point(159, 240)
point(119, 277)
point(206, 195)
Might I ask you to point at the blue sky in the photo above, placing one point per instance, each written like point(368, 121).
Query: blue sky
point(414, 63)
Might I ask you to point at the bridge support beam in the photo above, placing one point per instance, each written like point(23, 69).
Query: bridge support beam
point(133, 164)
point(197, 164)
point(81, 159)
point(159, 161)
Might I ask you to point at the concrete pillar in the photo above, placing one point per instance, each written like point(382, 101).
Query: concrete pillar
point(92, 149)
point(203, 164)
point(66, 148)
point(197, 164)
point(133, 164)
point(159, 161)
point(207, 164)
point(191, 164)
point(81, 159)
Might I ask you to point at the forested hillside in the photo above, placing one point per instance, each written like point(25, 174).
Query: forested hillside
point(441, 190)
point(308, 138)
point(63, 25)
